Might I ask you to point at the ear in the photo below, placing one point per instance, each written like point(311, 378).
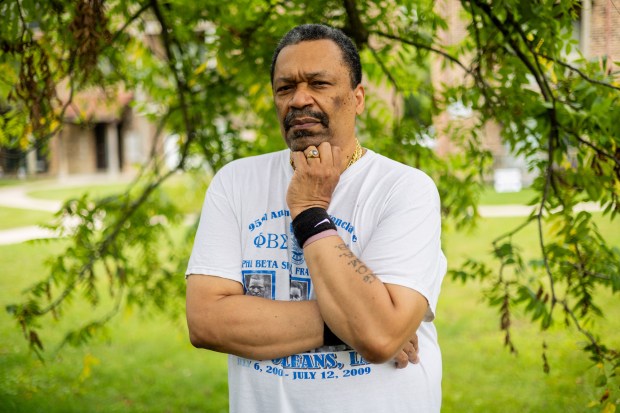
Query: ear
point(360, 96)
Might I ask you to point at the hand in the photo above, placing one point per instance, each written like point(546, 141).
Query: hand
point(314, 179)
point(409, 353)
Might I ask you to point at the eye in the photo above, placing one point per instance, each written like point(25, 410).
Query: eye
point(284, 88)
point(319, 83)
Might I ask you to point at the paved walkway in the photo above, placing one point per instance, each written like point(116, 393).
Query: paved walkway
point(22, 234)
point(496, 211)
point(17, 197)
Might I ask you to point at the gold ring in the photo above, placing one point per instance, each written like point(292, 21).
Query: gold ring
point(312, 154)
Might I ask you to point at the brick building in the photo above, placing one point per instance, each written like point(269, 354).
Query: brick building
point(101, 134)
point(598, 30)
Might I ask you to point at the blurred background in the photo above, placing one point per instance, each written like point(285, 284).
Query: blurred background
point(115, 114)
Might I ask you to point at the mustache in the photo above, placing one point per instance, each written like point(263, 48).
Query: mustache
point(306, 112)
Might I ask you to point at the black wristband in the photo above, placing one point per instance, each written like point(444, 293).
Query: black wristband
point(329, 338)
point(311, 222)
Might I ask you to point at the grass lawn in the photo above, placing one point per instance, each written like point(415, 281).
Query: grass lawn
point(61, 194)
point(186, 190)
point(480, 375)
point(10, 181)
point(490, 197)
point(16, 217)
point(148, 365)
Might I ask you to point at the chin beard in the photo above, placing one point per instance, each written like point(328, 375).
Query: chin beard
point(301, 139)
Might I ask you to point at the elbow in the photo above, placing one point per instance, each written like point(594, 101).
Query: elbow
point(378, 350)
point(197, 340)
point(200, 336)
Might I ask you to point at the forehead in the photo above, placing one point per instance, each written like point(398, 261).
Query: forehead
point(310, 57)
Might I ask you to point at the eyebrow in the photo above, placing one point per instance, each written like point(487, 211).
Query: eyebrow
point(310, 75)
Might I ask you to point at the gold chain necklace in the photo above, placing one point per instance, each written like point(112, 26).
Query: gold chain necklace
point(357, 154)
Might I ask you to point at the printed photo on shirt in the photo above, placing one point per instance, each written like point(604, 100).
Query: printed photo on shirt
point(299, 290)
point(259, 283)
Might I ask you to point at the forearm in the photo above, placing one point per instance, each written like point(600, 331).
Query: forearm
point(254, 327)
point(357, 306)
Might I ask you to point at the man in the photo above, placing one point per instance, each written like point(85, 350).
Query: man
point(296, 291)
point(363, 233)
point(257, 286)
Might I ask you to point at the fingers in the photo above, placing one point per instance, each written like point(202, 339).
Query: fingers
point(401, 360)
point(330, 155)
point(409, 354)
point(412, 349)
point(324, 154)
point(413, 357)
point(299, 159)
point(312, 153)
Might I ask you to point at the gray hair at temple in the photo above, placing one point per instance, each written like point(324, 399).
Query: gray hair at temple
point(309, 32)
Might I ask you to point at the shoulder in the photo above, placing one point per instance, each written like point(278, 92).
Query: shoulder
point(250, 163)
point(251, 173)
point(400, 177)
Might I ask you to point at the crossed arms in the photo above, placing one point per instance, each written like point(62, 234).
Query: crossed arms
point(377, 319)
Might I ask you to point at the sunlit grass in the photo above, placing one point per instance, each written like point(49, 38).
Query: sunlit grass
point(186, 190)
point(480, 374)
point(63, 193)
point(490, 197)
point(146, 363)
point(16, 217)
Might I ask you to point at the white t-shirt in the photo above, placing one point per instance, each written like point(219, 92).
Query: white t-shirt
point(389, 216)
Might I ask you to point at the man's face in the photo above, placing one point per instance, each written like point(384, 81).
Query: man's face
point(313, 96)
point(295, 294)
point(256, 287)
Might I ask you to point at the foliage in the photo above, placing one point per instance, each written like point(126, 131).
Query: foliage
point(203, 84)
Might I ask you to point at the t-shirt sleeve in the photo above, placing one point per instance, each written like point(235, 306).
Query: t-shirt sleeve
point(217, 246)
point(405, 247)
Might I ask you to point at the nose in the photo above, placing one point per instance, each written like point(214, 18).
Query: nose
point(301, 98)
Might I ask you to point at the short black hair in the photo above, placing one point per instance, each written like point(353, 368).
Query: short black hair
point(309, 32)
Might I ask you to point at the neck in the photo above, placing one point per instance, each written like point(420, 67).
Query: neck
point(348, 151)
point(352, 155)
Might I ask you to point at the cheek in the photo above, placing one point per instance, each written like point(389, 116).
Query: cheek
point(280, 116)
point(343, 104)
point(337, 102)
point(280, 108)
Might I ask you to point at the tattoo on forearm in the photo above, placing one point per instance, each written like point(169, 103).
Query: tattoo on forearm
point(367, 275)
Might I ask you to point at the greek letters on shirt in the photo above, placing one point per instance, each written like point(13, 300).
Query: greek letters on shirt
point(280, 255)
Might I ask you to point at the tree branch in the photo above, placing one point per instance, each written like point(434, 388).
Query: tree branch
point(358, 30)
point(501, 26)
point(595, 148)
point(181, 85)
point(579, 72)
point(137, 14)
point(423, 46)
point(384, 69)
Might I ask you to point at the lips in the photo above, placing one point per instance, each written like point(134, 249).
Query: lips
point(304, 119)
point(304, 123)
